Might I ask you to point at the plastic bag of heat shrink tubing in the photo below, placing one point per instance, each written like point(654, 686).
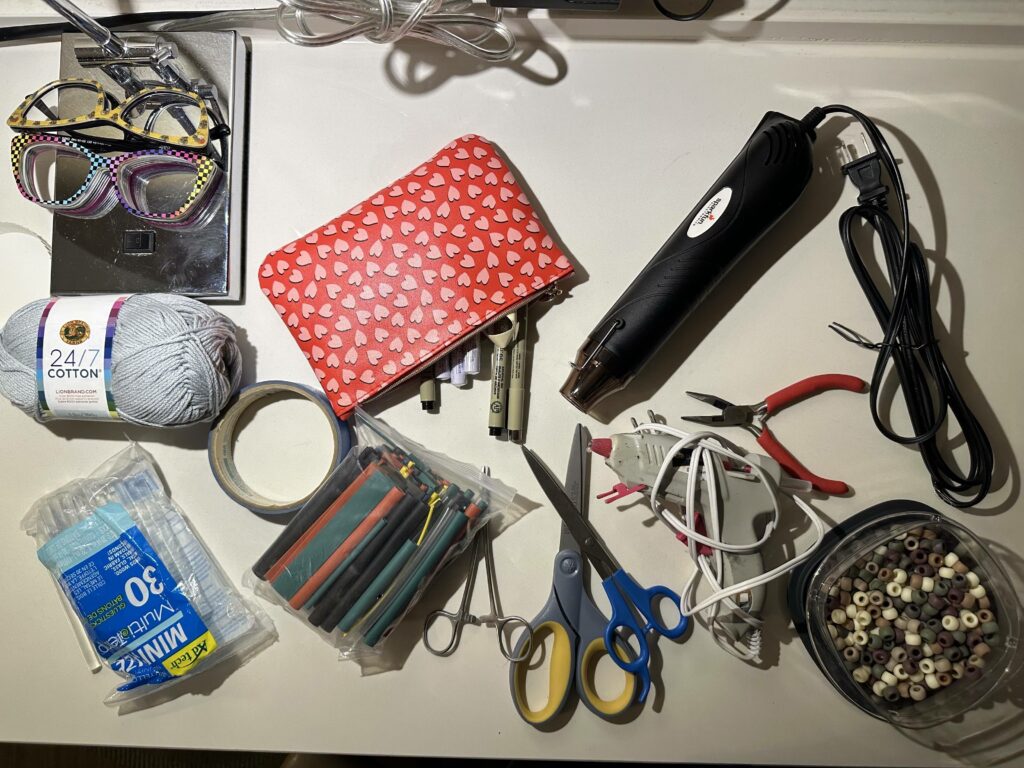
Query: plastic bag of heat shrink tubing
point(151, 598)
point(357, 557)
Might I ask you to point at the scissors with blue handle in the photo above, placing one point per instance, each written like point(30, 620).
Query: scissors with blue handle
point(624, 594)
point(575, 624)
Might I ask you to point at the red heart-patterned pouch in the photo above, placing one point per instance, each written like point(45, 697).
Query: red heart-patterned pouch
point(381, 291)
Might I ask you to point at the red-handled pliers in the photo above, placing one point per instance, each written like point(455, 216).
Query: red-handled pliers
point(752, 417)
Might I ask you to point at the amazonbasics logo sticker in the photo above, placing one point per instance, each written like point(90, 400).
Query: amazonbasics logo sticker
point(710, 213)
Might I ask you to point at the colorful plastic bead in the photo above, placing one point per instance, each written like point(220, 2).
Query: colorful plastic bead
point(912, 640)
point(968, 619)
point(918, 692)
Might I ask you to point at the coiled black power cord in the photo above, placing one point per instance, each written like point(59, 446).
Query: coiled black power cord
point(909, 342)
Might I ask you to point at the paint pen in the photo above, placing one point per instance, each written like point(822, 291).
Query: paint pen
point(471, 356)
point(458, 369)
point(517, 380)
point(501, 333)
point(442, 371)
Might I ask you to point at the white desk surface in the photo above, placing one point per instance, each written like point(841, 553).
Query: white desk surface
point(616, 151)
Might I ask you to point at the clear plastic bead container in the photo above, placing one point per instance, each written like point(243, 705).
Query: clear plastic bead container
point(813, 596)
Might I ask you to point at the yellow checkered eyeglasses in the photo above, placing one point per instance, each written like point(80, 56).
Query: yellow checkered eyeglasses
point(159, 114)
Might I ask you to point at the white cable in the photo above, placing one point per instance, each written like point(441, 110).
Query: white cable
point(707, 464)
point(452, 23)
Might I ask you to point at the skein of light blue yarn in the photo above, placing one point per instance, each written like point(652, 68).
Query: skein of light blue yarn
point(174, 361)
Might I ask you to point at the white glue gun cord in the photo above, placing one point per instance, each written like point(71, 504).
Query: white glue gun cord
point(708, 452)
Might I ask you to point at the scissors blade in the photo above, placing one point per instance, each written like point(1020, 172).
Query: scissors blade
point(591, 545)
point(576, 483)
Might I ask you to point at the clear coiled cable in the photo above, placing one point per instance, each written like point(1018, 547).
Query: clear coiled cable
point(451, 23)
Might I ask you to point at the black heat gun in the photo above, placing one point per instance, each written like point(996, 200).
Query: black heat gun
point(758, 187)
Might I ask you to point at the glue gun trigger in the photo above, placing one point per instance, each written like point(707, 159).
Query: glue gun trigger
point(620, 491)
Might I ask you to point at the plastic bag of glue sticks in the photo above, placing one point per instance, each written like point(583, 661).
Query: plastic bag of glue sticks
point(356, 558)
point(153, 602)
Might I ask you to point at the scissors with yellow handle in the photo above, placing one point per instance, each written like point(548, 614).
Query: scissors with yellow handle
point(575, 625)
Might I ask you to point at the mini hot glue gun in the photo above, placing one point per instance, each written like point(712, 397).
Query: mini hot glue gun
point(637, 458)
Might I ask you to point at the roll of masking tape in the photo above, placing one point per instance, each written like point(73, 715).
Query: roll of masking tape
point(225, 432)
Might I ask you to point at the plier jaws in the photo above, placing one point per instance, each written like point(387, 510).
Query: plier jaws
point(731, 415)
point(752, 418)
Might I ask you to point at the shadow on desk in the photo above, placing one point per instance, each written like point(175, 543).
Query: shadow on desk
point(63, 756)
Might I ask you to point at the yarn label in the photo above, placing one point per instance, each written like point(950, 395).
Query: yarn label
point(132, 608)
point(73, 357)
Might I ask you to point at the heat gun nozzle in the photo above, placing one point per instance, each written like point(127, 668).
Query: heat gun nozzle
point(592, 378)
